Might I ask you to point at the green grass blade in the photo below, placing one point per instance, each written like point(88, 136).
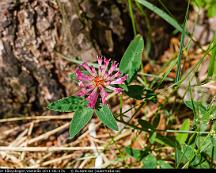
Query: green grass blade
point(162, 14)
point(212, 63)
point(178, 72)
point(132, 16)
point(172, 64)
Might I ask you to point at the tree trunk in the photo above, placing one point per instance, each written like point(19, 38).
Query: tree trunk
point(35, 35)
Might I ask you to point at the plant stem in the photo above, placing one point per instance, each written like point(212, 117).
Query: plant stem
point(158, 130)
point(132, 17)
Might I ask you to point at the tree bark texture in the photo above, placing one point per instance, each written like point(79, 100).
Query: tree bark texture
point(32, 74)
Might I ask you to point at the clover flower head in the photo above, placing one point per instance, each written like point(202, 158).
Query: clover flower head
point(94, 83)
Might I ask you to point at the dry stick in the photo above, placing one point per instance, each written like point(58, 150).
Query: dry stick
point(75, 142)
point(19, 139)
point(30, 129)
point(28, 136)
point(46, 149)
point(97, 140)
point(18, 128)
point(84, 163)
point(76, 164)
point(57, 160)
point(46, 135)
point(36, 118)
point(43, 158)
point(15, 143)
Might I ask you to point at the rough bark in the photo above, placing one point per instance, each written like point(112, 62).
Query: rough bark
point(35, 35)
point(32, 31)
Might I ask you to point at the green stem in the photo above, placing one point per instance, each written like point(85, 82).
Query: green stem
point(168, 131)
point(132, 16)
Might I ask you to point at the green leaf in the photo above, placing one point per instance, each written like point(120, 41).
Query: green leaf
point(212, 10)
point(150, 95)
point(171, 65)
point(150, 161)
point(146, 126)
point(185, 154)
point(135, 91)
point(80, 119)
point(162, 14)
point(124, 87)
point(139, 92)
point(212, 63)
point(192, 139)
point(106, 116)
point(163, 164)
point(210, 113)
point(199, 3)
point(153, 137)
point(68, 104)
point(182, 137)
point(132, 58)
point(197, 105)
point(72, 76)
point(137, 154)
point(167, 140)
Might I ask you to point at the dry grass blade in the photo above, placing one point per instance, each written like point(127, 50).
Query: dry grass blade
point(46, 135)
point(46, 149)
point(57, 160)
point(55, 117)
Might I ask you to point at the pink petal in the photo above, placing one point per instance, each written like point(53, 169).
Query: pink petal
point(99, 64)
point(111, 88)
point(106, 76)
point(103, 94)
point(99, 60)
point(104, 67)
point(81, 76)
point(92, 98)
point(81, 84)
point(113, 67)
point(85, 90)
point(117, 74)
point(90, 87)
point(117, 90)
point(82, 92)
point(120, 80)
point(92, 72)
